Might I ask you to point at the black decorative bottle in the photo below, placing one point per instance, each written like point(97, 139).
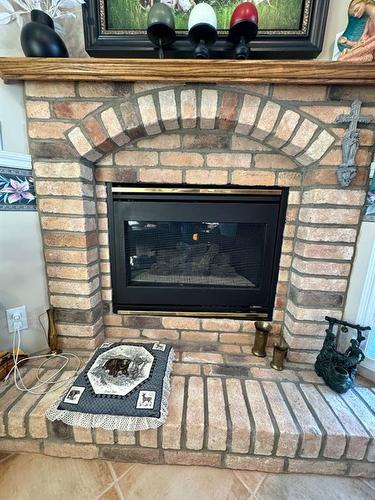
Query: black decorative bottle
point(39, 39)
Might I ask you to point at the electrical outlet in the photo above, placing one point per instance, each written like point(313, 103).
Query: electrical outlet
point(14, 312)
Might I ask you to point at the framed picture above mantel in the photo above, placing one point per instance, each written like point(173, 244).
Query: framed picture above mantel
point(288, 29)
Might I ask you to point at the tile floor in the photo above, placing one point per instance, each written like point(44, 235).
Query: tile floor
point(37, 477)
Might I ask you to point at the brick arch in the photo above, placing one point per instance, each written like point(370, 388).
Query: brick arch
point(284, 129)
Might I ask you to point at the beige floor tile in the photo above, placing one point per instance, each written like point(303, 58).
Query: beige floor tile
point(155, 482)
point(111, 494)
point(36, 477)
point(120, 468)
point(312, 487)
point(251, 479)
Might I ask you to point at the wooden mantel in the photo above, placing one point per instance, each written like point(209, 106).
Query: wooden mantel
point(188, 70)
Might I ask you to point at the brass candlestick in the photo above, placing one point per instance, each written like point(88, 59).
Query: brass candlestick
point(279, 355)
point(263, 328)
point(52, 333)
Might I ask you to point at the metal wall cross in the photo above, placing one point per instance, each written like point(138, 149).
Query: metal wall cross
point(350, 144)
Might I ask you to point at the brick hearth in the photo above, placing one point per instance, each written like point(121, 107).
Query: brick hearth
point(236, 416)
point(85, 134)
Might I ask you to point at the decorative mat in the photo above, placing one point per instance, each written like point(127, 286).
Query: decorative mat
point(123, 387)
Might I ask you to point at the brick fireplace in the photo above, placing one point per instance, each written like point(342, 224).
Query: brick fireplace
point(85, 134)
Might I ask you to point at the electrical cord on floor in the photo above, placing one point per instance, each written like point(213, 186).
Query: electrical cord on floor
point(50, 381)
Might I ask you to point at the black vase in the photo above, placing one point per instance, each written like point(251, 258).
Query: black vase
point(39, 39)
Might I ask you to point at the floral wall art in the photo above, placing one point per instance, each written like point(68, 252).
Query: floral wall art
point(16, 189)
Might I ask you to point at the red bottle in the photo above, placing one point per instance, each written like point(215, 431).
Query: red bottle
point(243, 28)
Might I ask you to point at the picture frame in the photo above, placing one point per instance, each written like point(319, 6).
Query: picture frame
point(304, 40)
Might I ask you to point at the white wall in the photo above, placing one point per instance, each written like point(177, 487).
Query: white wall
point(336, 22)
point(22, 273)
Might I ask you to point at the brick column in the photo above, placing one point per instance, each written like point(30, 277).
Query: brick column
point(67, 211)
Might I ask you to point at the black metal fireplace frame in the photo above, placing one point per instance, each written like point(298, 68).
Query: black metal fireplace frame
point(131, 300)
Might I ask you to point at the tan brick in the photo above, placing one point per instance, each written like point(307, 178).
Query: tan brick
point(251, 178)
point(192, 458)
point(323, 284)
point(75, 302)
point(264, 429)
point(37, 422)
point(179, 159)
point(19, 445)
point(74, 110)
point(195, 421)
point(168, 109)
point(269, 374)
point(82, 145)
point(222, 325)
point(285, 129)
point(181, 323)
point(37, 109)
point(317, 467)
point(331, 234)
point(322, 251)
point(234, 338)
point(136, 158)
point(267, 121)
point(241, 428)
point(274, 161)
point(311, 433)
point(247, 114)
point(82, 435)
point(163, 175)
point(317, 149)
point(327, 176)
point(335, 439)
point(323, 268)
point(254, 463)
point(163, 141)
point(301, 138)
point(343, 216)
point(241, 143)
point(217, 422)
point(208, 108)
point(289, 434)
point(173, 424)
point(48, 130)
point(206, 177)
point(199, 336)
point(229, 160)
point(149, 438)
point(362, 469)
point(122, 332)
point(334, 197)
point(357, 436)
point(62, 169)
point(79, 330)
point(326, 114)
point(86, 451)
point(132, 126)
point(188, 108)
point(148, 114)
point(300, 92)
point(160, 334)
point(73, 287)
point(113, 127)
point(72, 272)
point(79, 224)
point(63, 188)
point(289, 179)
point(126, 438)
point(201, 357)
point(310, 314)
point(86, 343)
point(186, 369)
point(103, 436)
point(95, 89)
point(112, 319)
point(49, 89)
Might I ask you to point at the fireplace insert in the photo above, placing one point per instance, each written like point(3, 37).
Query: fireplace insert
point(195, 250)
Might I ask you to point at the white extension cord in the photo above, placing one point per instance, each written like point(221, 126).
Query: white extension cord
point(51, 381)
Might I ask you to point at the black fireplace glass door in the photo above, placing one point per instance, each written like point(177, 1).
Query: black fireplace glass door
point(210, 254)
point(195, 253)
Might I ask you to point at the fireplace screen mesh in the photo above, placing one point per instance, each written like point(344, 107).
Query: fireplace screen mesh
point(212, 254)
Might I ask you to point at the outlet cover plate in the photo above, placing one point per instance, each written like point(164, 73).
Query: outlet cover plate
point(21, 311)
